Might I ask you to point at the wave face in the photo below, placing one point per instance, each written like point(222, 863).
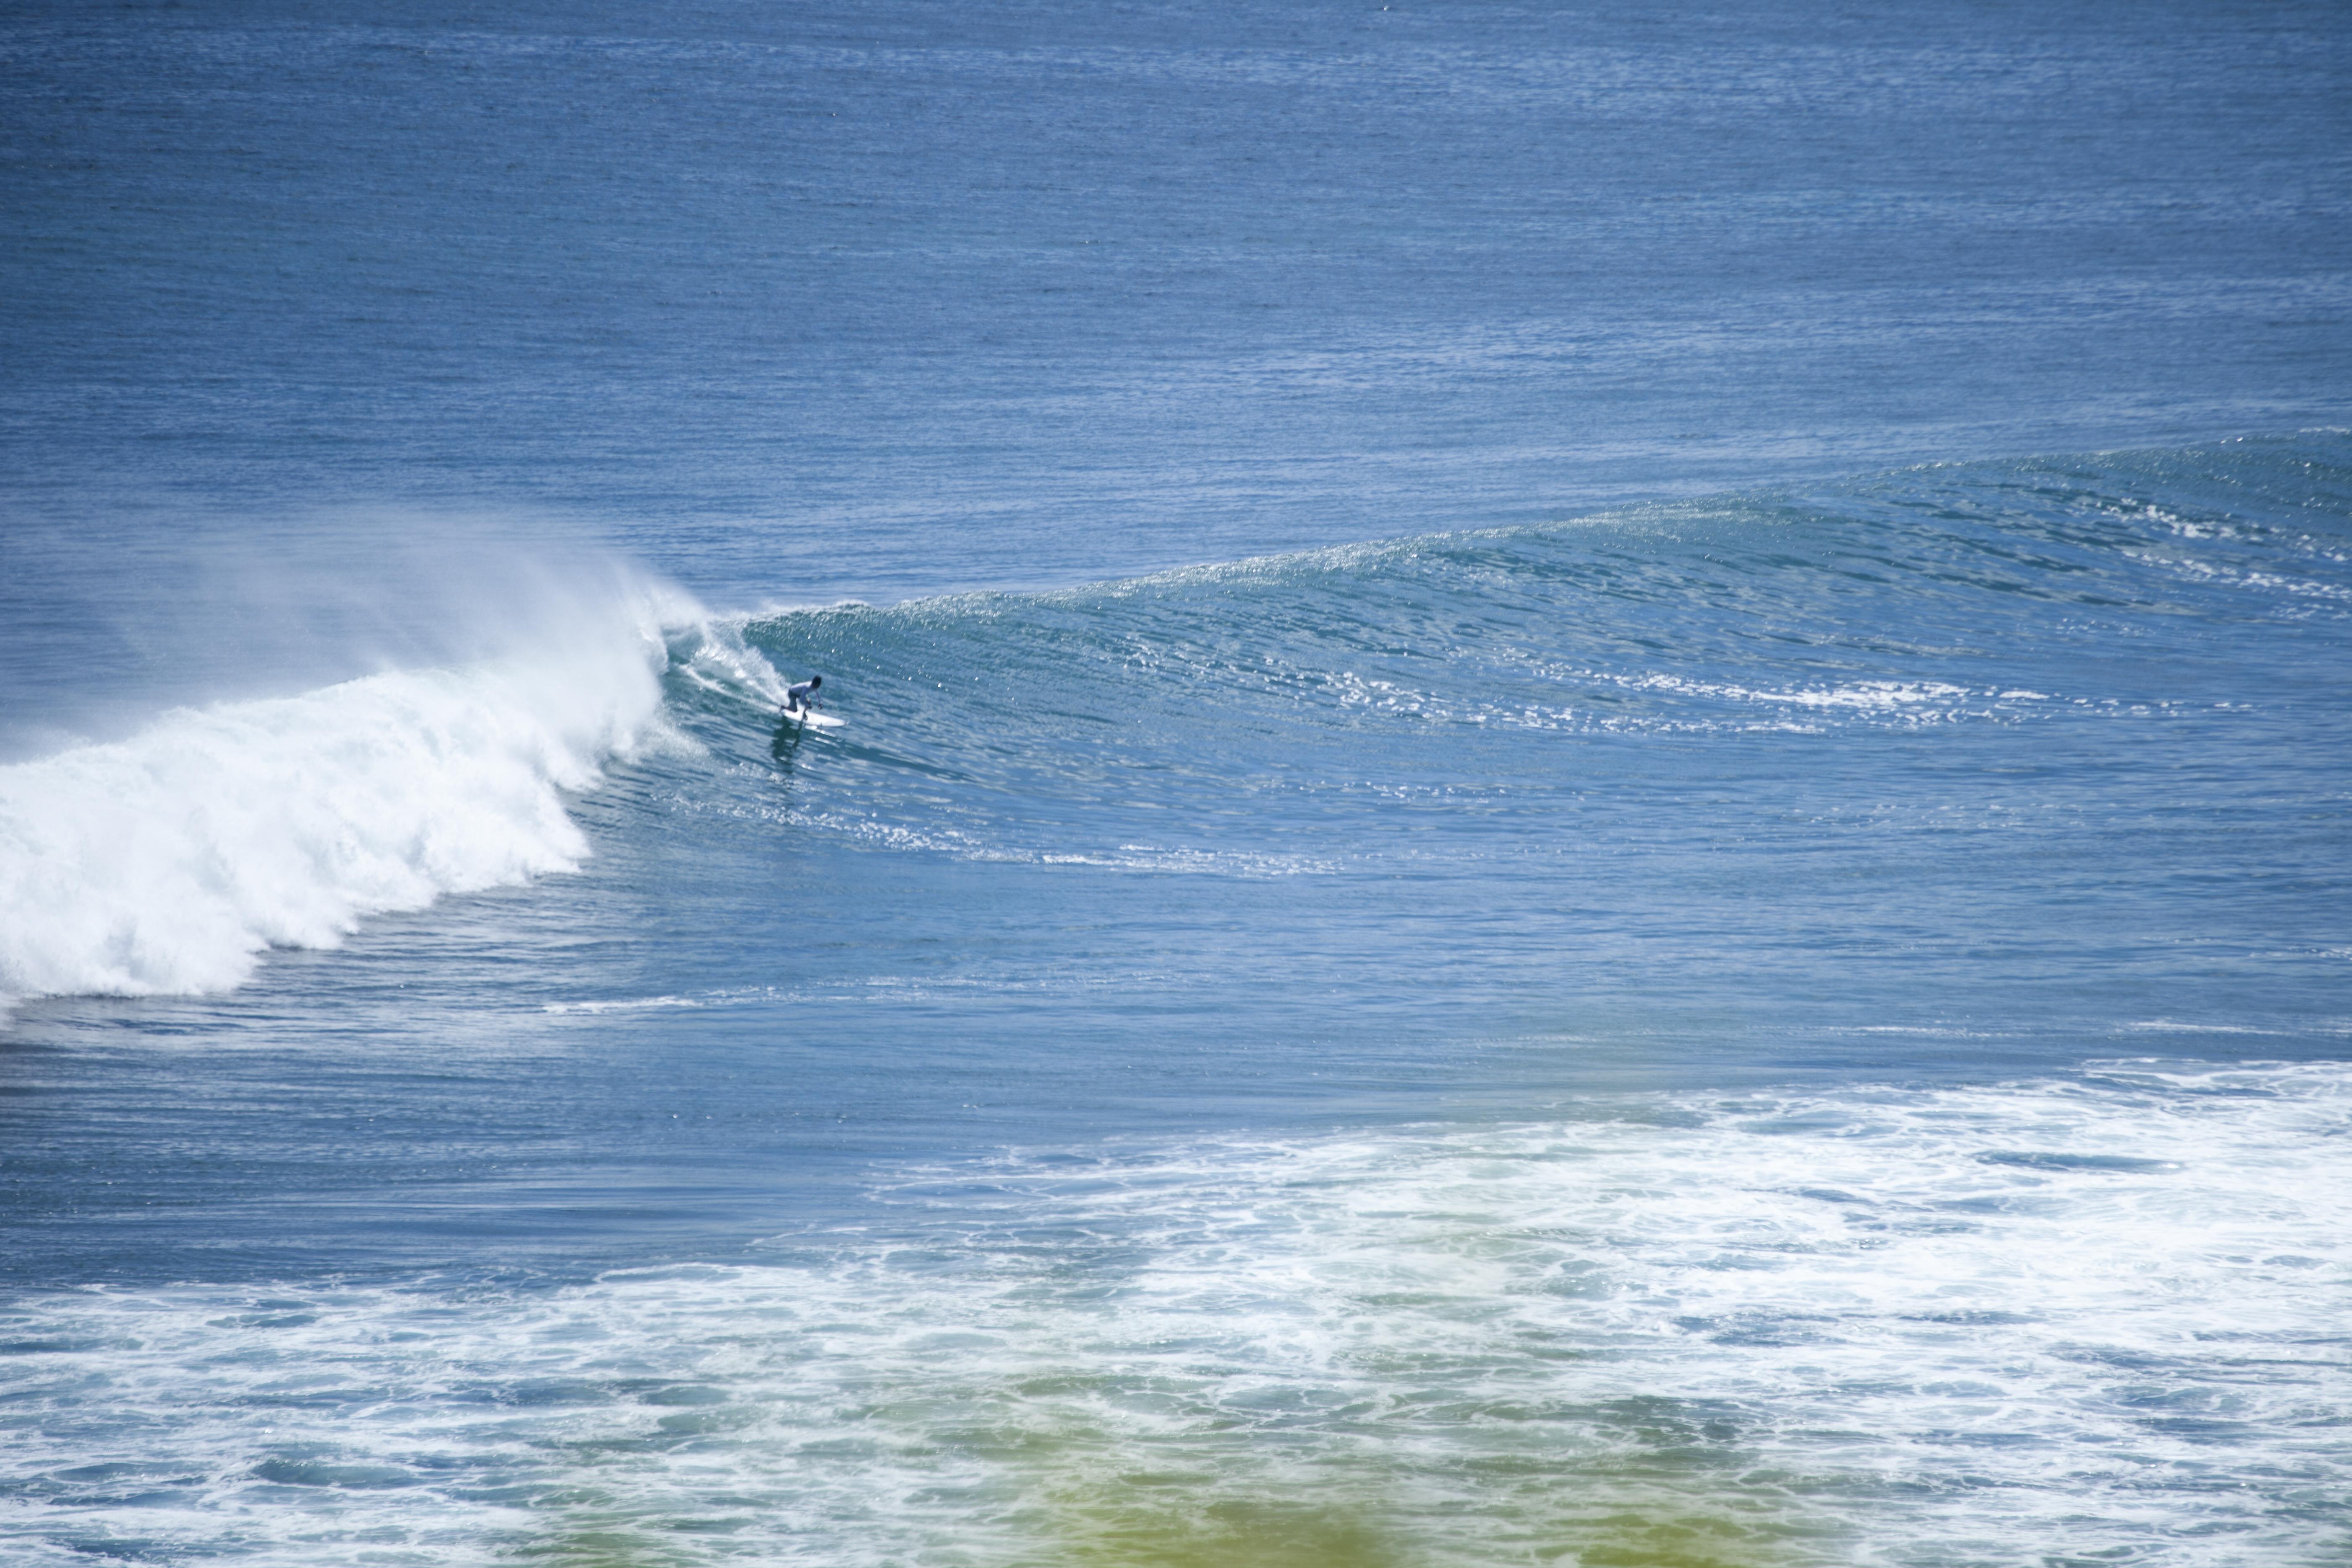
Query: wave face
point(169, 861)
point(1886, 751)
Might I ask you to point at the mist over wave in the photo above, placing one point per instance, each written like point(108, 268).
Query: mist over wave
point(168, 861)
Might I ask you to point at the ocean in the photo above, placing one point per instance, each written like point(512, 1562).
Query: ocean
point(1586, 804)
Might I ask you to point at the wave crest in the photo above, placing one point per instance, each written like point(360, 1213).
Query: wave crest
point(169, 861)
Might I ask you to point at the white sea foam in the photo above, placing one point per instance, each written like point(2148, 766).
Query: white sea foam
point(711, 653)
point(2096, 1319)
point(1174, 860)
point(168, 861)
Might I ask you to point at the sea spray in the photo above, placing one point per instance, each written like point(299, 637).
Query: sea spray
point(168, 861)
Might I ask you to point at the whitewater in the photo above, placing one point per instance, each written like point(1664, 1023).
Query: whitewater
point(170, 861)
point(1911, 1327)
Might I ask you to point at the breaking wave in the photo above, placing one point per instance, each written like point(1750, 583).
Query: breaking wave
point(167, 862)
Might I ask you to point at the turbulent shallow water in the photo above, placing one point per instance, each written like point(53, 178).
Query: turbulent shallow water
point(1877, 1325)
point(1589, 804)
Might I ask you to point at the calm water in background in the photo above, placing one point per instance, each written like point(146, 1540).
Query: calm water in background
point(1589, 804)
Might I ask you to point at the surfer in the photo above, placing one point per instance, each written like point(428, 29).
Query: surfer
point(802, 698)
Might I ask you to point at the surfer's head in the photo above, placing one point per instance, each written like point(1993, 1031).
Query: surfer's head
point(816, 681)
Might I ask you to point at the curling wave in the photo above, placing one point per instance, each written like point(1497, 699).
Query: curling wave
point(169, 861)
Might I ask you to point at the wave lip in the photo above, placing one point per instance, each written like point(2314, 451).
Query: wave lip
point(169, 861)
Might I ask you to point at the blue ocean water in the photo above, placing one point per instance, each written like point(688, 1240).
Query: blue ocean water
point(1586, 802)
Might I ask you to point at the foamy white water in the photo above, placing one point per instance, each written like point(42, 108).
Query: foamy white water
point(2100, 1318)
point(169, 861)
